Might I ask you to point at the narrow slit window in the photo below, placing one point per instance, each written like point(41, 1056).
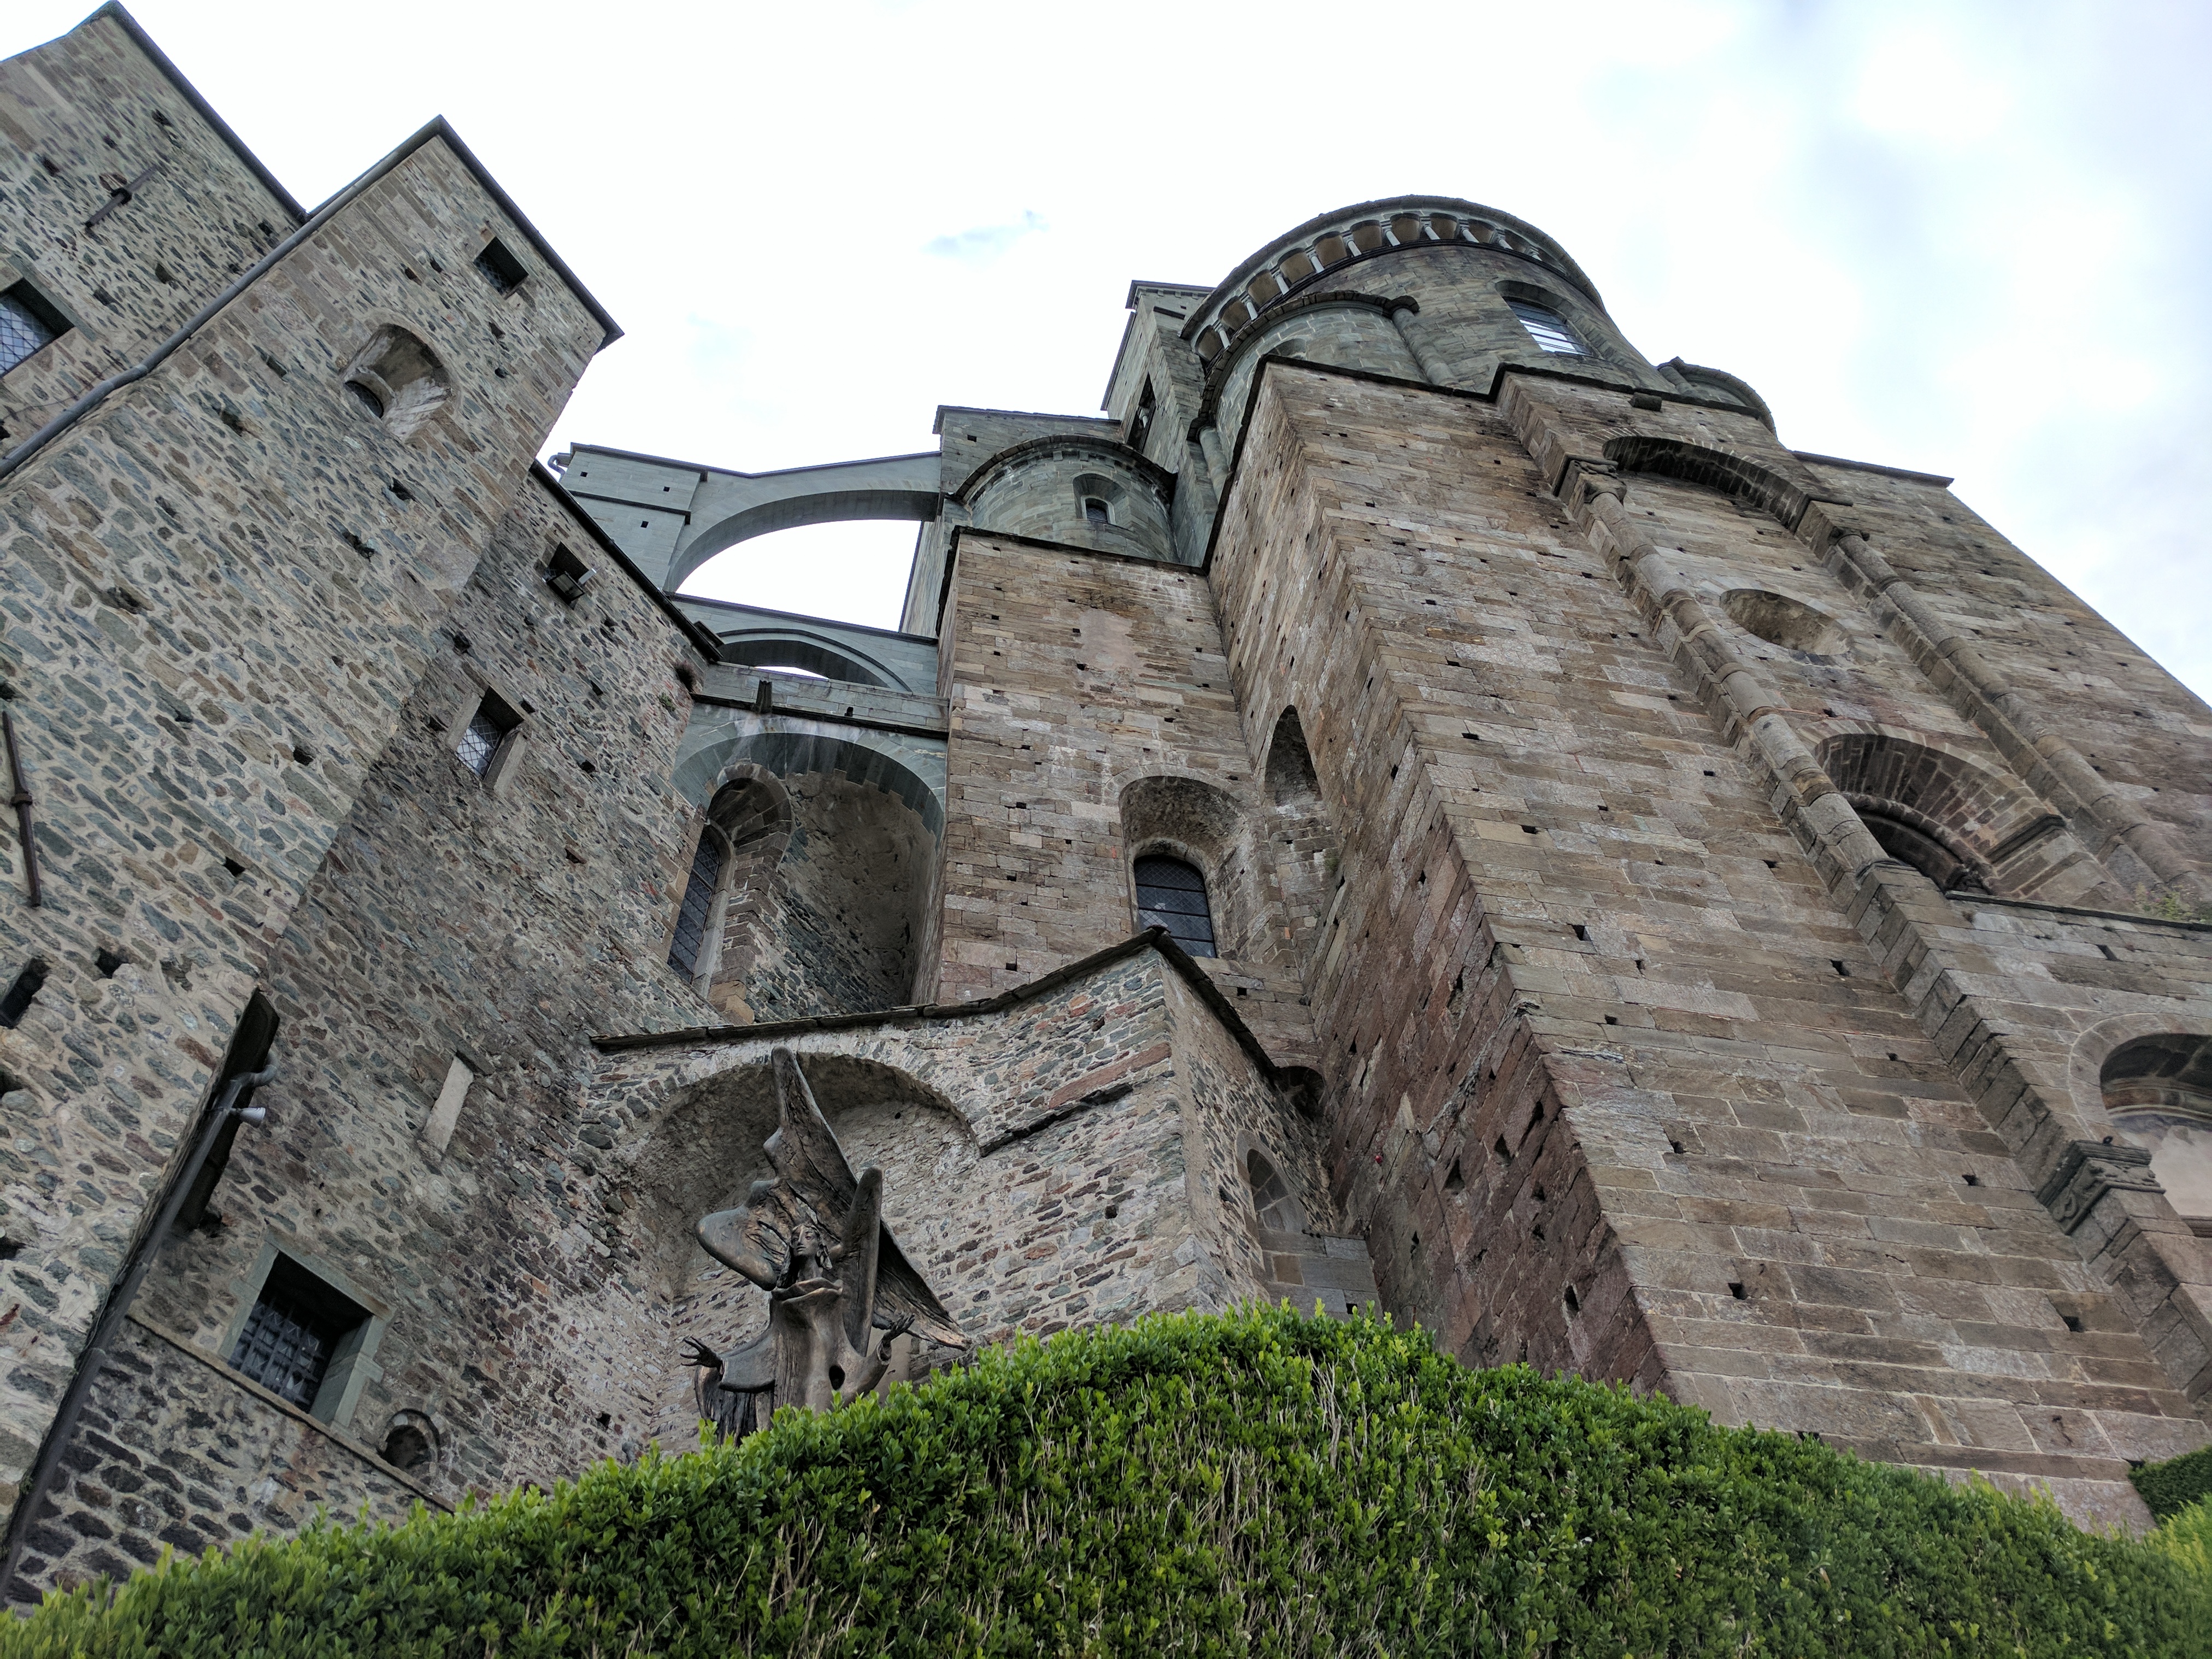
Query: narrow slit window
point(1172, 895)
point(691, 916)
point(1547, 329)
point(297, 1329)
point(487, 729)
point(27, 322)
point(501, 268)
point(1140, 425)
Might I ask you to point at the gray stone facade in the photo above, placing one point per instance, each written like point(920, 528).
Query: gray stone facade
point(1674, 908)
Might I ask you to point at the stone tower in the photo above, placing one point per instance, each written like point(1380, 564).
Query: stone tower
point(1412, 803)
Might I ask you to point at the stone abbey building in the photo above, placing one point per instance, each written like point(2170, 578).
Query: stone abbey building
point(1414, 801)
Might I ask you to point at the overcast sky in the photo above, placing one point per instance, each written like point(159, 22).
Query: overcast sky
point(1966, 238)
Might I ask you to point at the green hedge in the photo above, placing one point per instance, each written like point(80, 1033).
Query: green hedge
point(1255, 1483)
point(2171, 1486)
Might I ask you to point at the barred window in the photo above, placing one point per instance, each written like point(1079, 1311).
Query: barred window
point(296, 1329)
point(27, 323)
point(1547, 329)
point(486, 731)
point(698, 903)
point(1172, 895)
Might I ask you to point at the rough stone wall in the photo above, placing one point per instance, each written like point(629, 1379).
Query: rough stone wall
point(501, 923)
point(89, 104)
point(833, 925)
point(206, 666)
point(1542, 829)
point(1039, 1162)
point(2148, 734)
point(1072, 677)
point(174, 1452)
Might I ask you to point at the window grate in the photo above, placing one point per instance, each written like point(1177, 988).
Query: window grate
point(1547, 329)
point(1172, 895)
point(283, 1350)
point(698, 903)
point(1094, 511)
point(23, 331)
point(500, 268)
point(481, 741)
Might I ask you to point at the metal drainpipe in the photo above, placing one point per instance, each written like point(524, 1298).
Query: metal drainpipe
point(95, 1354)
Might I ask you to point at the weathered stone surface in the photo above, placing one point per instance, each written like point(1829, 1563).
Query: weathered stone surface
point(1677, 901)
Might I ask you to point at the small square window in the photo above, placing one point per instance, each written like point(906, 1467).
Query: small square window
point(28, 322)
point(501, 268)
point(297, 1331)
point(567, 575)
point(487, 729)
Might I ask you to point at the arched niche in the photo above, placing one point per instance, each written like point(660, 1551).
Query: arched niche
point(2157, 1091)
point(831, 866)
point(1301, 834)
point(1965, 827)
point(705, 1148)
point(1205, 826)
point(397, 379)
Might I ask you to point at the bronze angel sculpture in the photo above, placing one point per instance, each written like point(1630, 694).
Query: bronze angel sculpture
point(814, 1239)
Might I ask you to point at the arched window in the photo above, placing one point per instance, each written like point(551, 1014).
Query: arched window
point(398, 380)
point(698, 906)
point(2158, 1091)
point(1547, 329)
point(1172, 895)
point(1270, 1196)
point(1094, 511)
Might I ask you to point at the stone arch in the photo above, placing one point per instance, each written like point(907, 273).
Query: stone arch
point(1187, 818)
point(1961, 826)
point(1038, 487)
point(833, 859)
point(736, 507)
point(1301, 834)
point(815, 651)
point(2156, 1090)
point(706, 1145)
point(1736, 476)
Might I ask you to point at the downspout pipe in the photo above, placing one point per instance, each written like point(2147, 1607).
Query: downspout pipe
point(95, 1358)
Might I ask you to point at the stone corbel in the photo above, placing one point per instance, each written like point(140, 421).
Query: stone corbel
point(2086, 1171)
point(1587, 476)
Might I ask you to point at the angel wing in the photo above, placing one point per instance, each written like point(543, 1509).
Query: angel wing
point(805, 1151)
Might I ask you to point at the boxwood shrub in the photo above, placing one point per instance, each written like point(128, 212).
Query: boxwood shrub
point(1258, 1483)
point(2171, 1486)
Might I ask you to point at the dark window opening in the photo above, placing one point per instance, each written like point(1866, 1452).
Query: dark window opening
point(27, 322)
point(567, 575)
point(691, 916)
point(1547, 329)
point(1172, 895)
point(1271, 1195)
point(1141, 423)
point(1910, 844)
point(1094, 511)
point(297, 1329)
point(409, 1443)
point(367, 397)
point(17, 1002)
point(501, 268)
point(248, 1053)
point(487, 731)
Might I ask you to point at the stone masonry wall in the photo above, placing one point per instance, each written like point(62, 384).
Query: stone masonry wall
point(78, 116)
point(1039, 1162)
point(1071, 678)
point(221, 587)
point(1745, 1147)
point(175, 1451)
point(498, 922)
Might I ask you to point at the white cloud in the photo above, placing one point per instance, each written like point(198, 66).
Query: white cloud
point(1968, 239)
